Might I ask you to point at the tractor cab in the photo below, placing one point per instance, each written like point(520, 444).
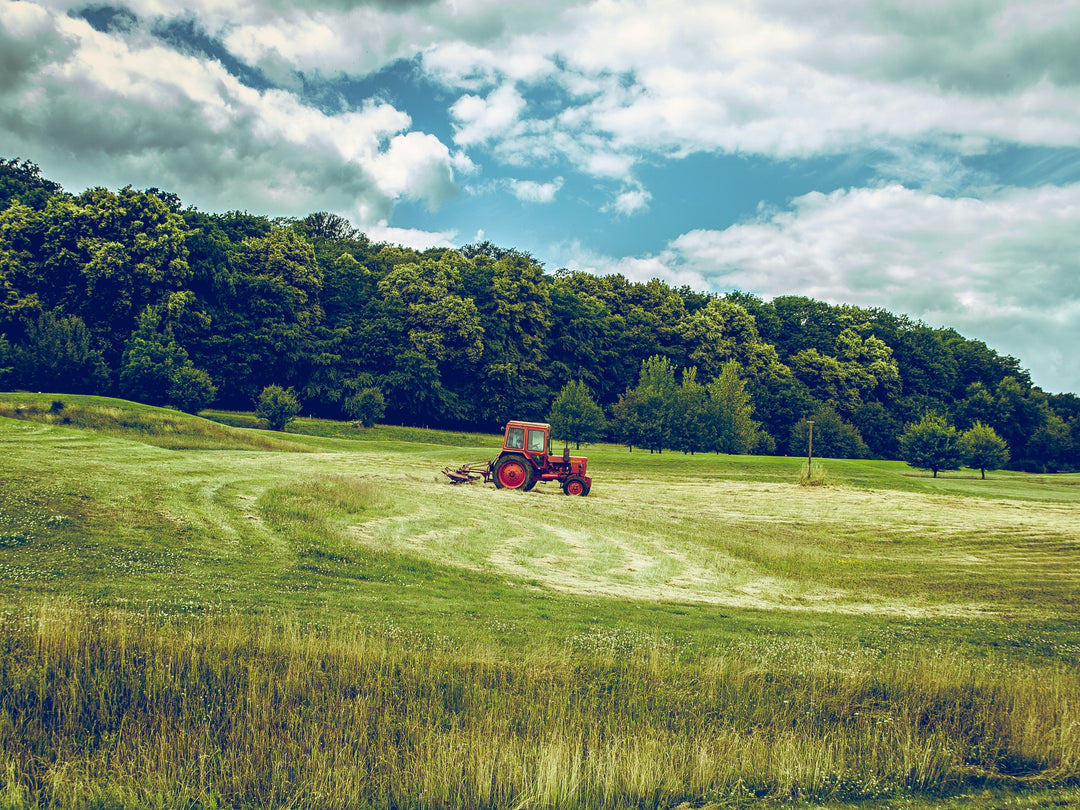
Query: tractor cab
point(526, 460)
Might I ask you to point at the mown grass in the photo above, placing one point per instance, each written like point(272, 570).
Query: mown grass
point(154, 426)
point(321, 621)
point(329, 428)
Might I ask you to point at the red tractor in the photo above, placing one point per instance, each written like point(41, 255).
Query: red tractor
point(525, 460)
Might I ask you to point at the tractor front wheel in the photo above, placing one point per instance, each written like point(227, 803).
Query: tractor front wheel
point(513, 472)
point(575, 485)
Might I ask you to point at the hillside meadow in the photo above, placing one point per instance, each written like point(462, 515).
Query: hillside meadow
point(195, 613)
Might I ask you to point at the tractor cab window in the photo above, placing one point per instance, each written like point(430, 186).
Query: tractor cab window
point(536, 441)
point(515, 438)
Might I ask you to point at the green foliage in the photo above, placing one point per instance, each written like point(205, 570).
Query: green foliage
point(324, 225)
point(733, 429)
point(723, 331)
point(191, 390)
point(691, 417)
point(581, 342)
point(1017, 414)
point(643, 415)
point(21, 181)
point(833, 437)
point(575, 416)
point(780, 403)
point(442, 325)
point(692, 429)
point(929, 364)
point(152, 359)
point(6, 360)
point(658, 374)
point(515, 318)
point(641, 418)
point(858, 371)
point(278, 406)
point(470, 337)
point(106, 257)
point(1051, 442)
point(414, 386)
point(58, 354)
point(977, 406)
point(931, 444)
point(367, 406)
point(983, 449)
point(879, 427)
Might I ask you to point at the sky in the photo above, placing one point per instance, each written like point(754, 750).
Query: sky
point(917, 155)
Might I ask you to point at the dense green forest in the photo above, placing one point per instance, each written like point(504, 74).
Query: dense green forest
point(131, 293)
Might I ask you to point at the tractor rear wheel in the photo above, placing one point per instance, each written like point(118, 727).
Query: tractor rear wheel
point(575, 485)
point(513, 472)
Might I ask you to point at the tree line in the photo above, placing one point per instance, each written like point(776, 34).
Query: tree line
point(131, 293)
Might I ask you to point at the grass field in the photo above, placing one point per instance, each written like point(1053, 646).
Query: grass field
point(201, 614)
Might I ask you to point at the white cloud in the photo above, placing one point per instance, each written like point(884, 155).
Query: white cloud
point(459, 39)
point(411, 237)
point(577, 256)
point(172, 120)
point(415, 166)
point(1005, 269)
point(772, 77)
point(603, 87)
point(479, 119)
point(778, 78)
point(630, 202)
point(531, 191)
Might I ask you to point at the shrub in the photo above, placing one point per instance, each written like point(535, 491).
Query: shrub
point(833, 437)
point(366, 406)
point(192, 389)
point(278, 406)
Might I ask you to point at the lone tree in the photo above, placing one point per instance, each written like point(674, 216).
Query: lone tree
point(931, 444)
point(983, 449)
point(366, 406)
point(192, 389)
point(575, 416)
point(278, 406)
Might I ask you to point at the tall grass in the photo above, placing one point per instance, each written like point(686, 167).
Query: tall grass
point(120, 709)
point(172, 430)
point(813, 477)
